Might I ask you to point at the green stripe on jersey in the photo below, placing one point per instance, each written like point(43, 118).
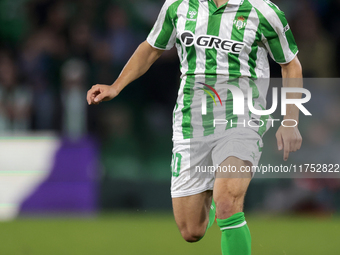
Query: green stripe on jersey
point(187, 128)
point(186, 111)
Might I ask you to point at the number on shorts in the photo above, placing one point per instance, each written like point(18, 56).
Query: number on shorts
point(176, 164)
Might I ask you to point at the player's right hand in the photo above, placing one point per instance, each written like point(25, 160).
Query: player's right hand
point(99, 93)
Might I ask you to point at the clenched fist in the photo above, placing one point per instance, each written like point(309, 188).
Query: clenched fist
point(99, 93)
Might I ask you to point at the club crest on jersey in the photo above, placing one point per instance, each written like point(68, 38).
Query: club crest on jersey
point(240, 22)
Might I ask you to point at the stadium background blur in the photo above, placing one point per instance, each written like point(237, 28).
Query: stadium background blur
point(61, 160)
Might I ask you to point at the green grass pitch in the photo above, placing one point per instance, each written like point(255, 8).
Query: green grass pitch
point(148, 234)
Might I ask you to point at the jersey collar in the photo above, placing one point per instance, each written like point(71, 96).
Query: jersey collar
point(235, 2)
point(232, 2)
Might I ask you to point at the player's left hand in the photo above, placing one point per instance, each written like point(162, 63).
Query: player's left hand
point(289, 140)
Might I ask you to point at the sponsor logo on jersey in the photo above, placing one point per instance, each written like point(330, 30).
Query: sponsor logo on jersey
point(192, 14)
point(240, 22)
point(187, 38)
point(208, 41)
point(286, 28)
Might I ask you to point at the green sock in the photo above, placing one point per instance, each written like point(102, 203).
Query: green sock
point(236, 239)
point(212, 214)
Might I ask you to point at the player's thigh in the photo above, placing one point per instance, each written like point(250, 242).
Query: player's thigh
point(191, 192)
point(192, 212)
point(230, 187)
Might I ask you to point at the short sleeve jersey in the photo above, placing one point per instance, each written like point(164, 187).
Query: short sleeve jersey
point(230, 42)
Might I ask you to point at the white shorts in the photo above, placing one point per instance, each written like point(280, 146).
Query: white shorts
point(191, 154)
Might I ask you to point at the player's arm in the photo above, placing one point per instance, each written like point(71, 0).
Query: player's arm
point(289, 138)
point(144, 56)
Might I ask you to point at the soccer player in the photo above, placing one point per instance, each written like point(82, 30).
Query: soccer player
point(221, 45)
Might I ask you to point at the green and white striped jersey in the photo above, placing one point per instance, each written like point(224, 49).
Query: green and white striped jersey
point(221, 46)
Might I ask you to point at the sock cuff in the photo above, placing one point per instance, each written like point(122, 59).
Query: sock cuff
point(235, 221)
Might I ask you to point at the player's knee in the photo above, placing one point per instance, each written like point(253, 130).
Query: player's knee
point(192, 235)
point(228, 206)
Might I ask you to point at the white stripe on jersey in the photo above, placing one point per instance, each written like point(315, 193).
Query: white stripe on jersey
point(218, 112)
point(262, 69)
point(244, 86)
point(172, 40)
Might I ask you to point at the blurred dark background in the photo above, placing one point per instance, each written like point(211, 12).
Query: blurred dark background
point(53, 51)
